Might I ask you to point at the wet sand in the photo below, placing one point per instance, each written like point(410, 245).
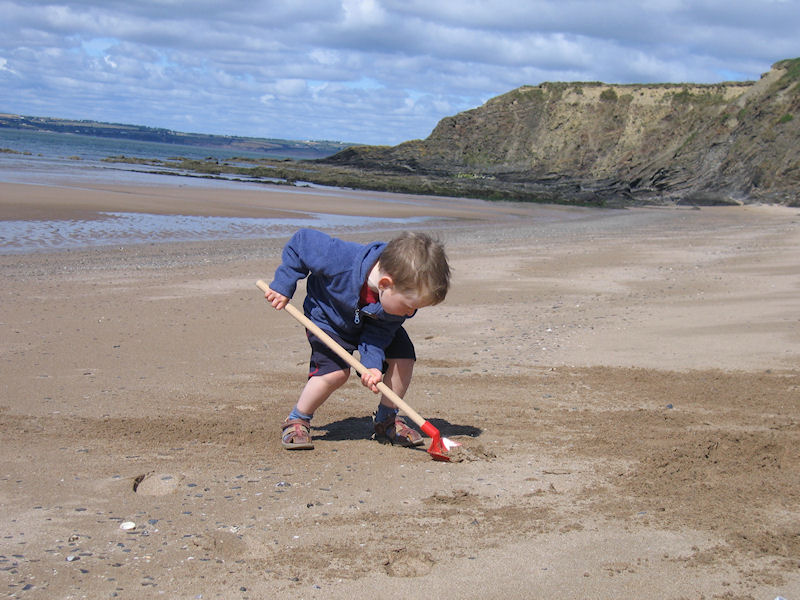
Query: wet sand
point(626, 383)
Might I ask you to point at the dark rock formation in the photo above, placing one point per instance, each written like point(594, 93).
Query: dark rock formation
point(613, 145)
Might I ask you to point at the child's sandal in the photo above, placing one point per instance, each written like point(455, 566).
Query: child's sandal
point(296, 435)
point(395, 431)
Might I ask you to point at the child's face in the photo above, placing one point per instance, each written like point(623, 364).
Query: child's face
point(401, 304)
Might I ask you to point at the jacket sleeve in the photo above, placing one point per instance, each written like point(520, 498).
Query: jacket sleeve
point(375, 337)
point(305, 252)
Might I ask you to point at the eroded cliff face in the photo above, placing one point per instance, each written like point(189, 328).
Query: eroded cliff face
point(620, 144)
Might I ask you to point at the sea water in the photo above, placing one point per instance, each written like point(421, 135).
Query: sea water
point(47, 157)
point(120, 228)
point(45, 144)
point(44, 158)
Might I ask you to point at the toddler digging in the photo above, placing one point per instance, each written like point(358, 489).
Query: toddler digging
point(360, 294)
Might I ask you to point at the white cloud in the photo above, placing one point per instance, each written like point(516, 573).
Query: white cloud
point(290, 87)
point(363, 13)
point(4, 66)
point(376, 71)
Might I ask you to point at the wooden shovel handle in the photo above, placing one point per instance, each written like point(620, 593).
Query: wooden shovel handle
point(345, 355)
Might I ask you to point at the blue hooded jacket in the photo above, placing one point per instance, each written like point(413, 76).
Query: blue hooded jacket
point(336, 271)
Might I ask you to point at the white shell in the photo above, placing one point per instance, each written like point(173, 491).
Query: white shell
point(127, 525)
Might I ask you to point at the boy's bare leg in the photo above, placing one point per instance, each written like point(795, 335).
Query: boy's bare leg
point(388, 427)
point(398, 378)
point(319, 388)
point(295, 432)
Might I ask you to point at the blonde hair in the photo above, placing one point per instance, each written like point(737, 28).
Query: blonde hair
point(417, 263)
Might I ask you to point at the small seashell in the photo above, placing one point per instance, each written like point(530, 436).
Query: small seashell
point(127, 525)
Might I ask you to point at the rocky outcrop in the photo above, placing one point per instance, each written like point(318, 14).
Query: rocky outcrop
point(616, 144)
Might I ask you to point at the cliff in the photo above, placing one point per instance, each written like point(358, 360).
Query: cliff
point(595, 143)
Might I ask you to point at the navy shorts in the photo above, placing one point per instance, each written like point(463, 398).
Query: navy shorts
point(324, 360)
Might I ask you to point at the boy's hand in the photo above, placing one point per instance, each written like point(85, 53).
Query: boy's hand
point(371, 378)
point(277, 300)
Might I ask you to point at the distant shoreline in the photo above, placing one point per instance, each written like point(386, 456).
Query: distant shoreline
point(308, 149)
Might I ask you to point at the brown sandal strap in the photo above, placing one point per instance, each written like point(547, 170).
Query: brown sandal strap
point(401, 428)
point(301, 422)
point(294, 429)
point(397, 431)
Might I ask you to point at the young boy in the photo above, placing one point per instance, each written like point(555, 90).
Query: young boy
point(360, 294)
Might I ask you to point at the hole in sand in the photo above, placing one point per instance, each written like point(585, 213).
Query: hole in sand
point(468, 454)
point(155, 484)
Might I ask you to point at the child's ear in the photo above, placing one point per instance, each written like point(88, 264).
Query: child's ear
point(385, 282)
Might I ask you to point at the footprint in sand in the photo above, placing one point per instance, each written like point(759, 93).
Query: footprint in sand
point(403, 562)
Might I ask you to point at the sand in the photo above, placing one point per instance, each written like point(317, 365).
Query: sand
point(625, 384)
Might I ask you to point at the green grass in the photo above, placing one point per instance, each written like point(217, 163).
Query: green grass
point(685, 97)
point(792, 66)
point(608, 95)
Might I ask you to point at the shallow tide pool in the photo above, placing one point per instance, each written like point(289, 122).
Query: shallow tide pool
point(120, 228)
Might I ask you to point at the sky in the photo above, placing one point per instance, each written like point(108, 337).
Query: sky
point(360, 71)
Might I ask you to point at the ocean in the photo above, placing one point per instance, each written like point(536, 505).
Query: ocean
point(44, 158)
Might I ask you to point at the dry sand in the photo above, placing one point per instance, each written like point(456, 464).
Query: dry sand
point(626, 383)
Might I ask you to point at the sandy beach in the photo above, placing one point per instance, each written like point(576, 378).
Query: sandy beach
point(626, 383)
